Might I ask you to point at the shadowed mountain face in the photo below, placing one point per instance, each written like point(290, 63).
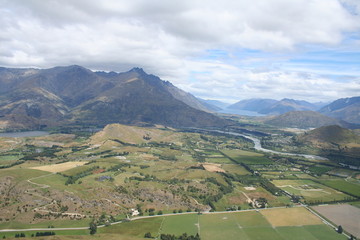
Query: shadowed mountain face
point(30, 98)
point(347, 109)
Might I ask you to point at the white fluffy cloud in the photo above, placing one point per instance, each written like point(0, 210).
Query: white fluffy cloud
point(172, 39)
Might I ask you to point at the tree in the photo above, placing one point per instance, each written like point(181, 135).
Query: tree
point(93, 228)
point(340, 229)
point(147, 235)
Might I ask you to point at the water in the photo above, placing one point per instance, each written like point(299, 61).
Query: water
point(241, 112)
point(24, 134)
point(257, 146)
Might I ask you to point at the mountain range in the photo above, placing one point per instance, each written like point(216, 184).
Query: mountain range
point(273, 107)
point(346, 109)
point(35, 98)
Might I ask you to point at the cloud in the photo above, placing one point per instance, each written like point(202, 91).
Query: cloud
point(175, 39)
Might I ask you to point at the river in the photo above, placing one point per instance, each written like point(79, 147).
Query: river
point(24, 134)
point(257, 146)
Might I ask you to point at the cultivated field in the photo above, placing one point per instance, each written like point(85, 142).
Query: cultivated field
point(212, 167)
point(311, 191)
point(344, 214)
point(61, 167)
point(290, 217)
point(251, 158)
point(342, 185)
point(249, 225)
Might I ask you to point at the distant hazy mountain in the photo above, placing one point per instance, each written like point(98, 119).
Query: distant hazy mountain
point(271, 106)
point(30, 98)
point(306, 119)
point(287, 105)
point(213, 105)
point(347, 109)
point(255, 105)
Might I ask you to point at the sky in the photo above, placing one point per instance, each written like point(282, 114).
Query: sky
point(226, 50)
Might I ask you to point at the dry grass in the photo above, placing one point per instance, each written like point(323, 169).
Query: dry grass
point(134, 135)
point(212, 167)
point(59, 167)
point(290, 217)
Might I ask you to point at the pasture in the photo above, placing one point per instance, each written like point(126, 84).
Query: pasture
point(310, 190)
point(246, 225)
point(247, 157)
point(344, 186)
point(290, 217)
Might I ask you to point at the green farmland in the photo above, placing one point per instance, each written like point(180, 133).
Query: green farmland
point(311, 191)
point(246, 157)
point(248, 225)
point(344, 186)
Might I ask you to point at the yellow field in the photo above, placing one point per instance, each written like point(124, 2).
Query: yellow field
point(212, 167)
point(59, 167)
point(296, 216)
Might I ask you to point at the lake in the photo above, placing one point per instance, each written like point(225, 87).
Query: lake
point(24, 134)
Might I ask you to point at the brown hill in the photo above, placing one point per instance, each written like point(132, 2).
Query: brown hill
point(306, 119)
point(333, 134)
point(134, 135)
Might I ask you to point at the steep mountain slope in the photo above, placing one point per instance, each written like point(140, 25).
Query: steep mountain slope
point(347, 109)
point(187, 98)
point(305, 119)
point(33, 98)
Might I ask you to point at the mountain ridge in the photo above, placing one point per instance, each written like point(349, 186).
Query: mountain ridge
point(347, 109)
point(74, 94)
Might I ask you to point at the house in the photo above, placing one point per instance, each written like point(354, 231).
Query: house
point(134, 212)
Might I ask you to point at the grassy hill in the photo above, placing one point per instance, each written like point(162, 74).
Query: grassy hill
point(336, 143)
point(331, 135)
point(134, 135)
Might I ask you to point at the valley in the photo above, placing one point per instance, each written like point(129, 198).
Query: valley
point(121, 173)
